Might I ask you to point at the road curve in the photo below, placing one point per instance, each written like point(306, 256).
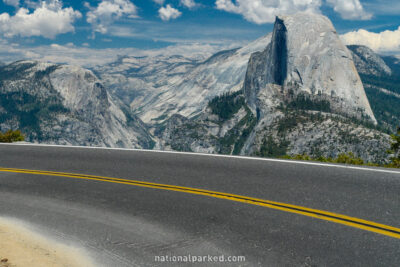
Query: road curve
point(126, 223)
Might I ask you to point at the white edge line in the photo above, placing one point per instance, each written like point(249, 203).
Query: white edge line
point(211, 155)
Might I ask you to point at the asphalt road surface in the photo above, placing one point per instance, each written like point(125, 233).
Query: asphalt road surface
point(121, 223)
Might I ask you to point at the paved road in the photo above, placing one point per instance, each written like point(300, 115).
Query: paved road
point(125, 225)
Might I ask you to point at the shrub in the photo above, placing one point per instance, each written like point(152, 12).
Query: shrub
point(345, 158)
point(302, 157)
point(395, 149)
point(11, 136)
point(349, 158)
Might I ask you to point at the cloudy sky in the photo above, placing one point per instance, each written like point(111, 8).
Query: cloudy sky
point(96, 31)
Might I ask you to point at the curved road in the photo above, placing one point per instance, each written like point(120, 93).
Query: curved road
point(121, 223)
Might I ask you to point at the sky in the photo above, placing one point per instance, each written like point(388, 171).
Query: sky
point(97, 31)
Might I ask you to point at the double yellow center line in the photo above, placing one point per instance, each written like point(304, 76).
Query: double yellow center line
point(320, 214)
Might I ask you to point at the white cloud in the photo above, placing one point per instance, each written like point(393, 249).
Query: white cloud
point(350, 9)
point(383, 7)
point(264, 11)
point(107, 12)
point(47, 20)
point(160, 2)
point(168, 12)
point(14, 3)
point(33, 4)
point(386, 41)
point(188, 3)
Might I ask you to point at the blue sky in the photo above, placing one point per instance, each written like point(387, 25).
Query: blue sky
point(73, 31)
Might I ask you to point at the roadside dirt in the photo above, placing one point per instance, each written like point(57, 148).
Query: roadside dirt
point(20, 247)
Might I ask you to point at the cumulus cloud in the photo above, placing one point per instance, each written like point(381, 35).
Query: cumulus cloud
point(386, 41)
point(48, 20)
point(14, 3)
point(188, 3)
point(168, 12)
point(264, 11)
point(107, 12)
point(350, 9)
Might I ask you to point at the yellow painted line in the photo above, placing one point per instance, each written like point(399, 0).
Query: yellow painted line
point(320, 214)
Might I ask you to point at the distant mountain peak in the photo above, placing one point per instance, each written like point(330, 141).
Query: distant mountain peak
point(368, 62)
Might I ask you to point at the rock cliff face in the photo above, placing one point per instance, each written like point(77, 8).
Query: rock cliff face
point(62, 104)
point(305, 57)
